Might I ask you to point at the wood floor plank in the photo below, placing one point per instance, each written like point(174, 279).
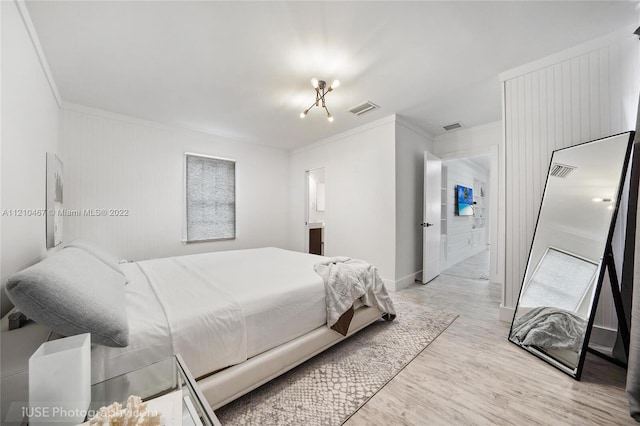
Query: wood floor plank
point(472, 375)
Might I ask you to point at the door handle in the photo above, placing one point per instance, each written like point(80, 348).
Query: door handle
point(426, 224)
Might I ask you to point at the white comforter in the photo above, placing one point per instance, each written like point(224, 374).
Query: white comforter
point(215, 309)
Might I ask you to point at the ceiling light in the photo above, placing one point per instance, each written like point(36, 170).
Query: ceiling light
point(602, 200)
point(321, 91)
point(597, 200)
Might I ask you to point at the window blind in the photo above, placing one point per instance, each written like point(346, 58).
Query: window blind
point(210, 198)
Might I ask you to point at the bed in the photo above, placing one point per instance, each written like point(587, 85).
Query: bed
point(238, 318)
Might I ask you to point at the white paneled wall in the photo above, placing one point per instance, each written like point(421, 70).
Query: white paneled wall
point(580, 95)
point(30, 127)
point(119, 162)
point(374, 176)
point(360, 194)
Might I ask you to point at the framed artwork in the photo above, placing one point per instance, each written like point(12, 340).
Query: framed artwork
point(54, 200)
point(464, 201)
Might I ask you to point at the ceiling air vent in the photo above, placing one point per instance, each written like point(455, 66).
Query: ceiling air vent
point(561, 170)
point(453, 126)
point(363, 107)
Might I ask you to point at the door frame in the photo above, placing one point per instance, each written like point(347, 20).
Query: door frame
point(496, 207)
point(305, 238)
point(305, 246)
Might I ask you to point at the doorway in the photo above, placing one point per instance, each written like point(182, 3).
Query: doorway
point(466, 217)
point(431, 223)
point(316, 211)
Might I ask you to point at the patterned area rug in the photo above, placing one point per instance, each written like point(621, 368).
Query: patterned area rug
point(331, 387)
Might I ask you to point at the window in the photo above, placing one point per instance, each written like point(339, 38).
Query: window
point(210, 194)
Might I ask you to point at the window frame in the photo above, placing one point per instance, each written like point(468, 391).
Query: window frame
point(185, 213)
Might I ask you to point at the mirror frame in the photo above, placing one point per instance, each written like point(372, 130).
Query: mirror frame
point(576, 372)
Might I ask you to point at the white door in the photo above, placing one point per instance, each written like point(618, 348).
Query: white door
point(431, 217)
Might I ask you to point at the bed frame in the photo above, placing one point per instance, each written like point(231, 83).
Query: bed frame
point(231, 383)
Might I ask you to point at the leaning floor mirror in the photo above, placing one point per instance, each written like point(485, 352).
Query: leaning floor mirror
point(572, 240)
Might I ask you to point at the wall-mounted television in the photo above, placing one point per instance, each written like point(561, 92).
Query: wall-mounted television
point(464, 201)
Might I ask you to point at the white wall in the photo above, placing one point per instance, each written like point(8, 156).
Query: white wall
point(360, 194)
point(582, 94)
point(30, 129)
point(373, 180)
point(410, 145)
point(117, 162)
point(485, 139)
point(461, 230)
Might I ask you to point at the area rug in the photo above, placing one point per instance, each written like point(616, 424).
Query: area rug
point(331, 387)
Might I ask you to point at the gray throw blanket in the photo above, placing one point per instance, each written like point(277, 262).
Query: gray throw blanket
point(347, 280)
point(550, 328)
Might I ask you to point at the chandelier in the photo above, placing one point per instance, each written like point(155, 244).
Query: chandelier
point(321, 92)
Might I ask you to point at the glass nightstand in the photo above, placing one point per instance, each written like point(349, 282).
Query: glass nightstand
point(166, 386)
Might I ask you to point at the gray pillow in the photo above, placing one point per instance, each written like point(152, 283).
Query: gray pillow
point(102, 255)
point(72, 292)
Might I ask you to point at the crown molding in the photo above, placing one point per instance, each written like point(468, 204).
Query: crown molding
point(97, 112)
point(348, 133)
point(35, 41)
point(404, 122)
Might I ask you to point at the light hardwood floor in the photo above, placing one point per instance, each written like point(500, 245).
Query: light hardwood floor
point(471, 374)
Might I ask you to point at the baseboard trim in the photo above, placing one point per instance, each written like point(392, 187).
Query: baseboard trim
point(505, 314)
point(603, 336)
point(389, 284)
point(401, 283)
point(405, 282)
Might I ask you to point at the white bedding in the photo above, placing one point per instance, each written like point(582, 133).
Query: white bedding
point(218, 309)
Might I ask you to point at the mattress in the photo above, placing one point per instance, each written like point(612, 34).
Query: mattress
point(215, 309)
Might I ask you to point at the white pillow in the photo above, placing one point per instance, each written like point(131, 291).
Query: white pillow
point(72, 292)
point(104, 256)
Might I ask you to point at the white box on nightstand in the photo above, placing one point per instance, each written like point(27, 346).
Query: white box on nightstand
point(16, 346)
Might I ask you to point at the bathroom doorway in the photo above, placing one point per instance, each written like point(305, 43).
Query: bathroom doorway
point(466, 234)
point(316, 211)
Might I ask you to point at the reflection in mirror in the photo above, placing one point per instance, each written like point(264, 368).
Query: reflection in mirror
point(556, 266)
point(565, 268)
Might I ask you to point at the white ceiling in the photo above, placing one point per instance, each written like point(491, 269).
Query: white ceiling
point(242, 69)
